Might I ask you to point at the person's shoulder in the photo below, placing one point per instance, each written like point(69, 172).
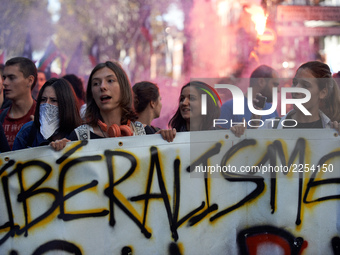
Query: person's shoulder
point(25, 136)
point(6, 104)
point(151, 129)
point(326, 121)
point(25, 129)
point(138, 128)
point(226, 110)
point(227, 106)
point(28, 124)
point(81, 133)
point(268, 106)
point(72, 136)
point(4, 110)
point(228, 102)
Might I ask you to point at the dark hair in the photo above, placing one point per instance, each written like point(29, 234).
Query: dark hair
point(330, 105)
point(262, 71)
point(213, 109)
point(92, 114)
point(41, 71)
point(77, 85)
point(26, 66)
point(69, 117)
point(144, 93)
point(2, 67)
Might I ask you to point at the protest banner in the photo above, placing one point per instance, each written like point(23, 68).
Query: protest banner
point(208, 192)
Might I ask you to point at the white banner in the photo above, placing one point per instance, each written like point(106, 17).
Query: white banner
point(270, 192)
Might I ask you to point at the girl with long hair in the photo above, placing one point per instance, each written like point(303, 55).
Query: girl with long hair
point(56, 116)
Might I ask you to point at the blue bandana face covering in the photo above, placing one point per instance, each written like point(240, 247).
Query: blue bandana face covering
point(49, 119)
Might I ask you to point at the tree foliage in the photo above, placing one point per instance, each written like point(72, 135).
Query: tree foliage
point(21, 17)
point(117, 23)
point(128, 31)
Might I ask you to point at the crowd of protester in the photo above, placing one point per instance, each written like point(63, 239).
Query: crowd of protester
point(35, 111)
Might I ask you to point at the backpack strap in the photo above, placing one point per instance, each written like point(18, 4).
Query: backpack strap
point(3, 115)
point(83, 132)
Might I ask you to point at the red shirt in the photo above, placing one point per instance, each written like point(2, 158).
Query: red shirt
point(12, 126)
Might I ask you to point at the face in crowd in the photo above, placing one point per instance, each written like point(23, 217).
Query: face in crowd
point(271, 83)
point(190, 104)
point(304, 78)
point(15, 83)
point(105, 89)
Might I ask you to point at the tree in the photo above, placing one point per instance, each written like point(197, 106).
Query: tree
point(117, 25)
point(19, 18)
